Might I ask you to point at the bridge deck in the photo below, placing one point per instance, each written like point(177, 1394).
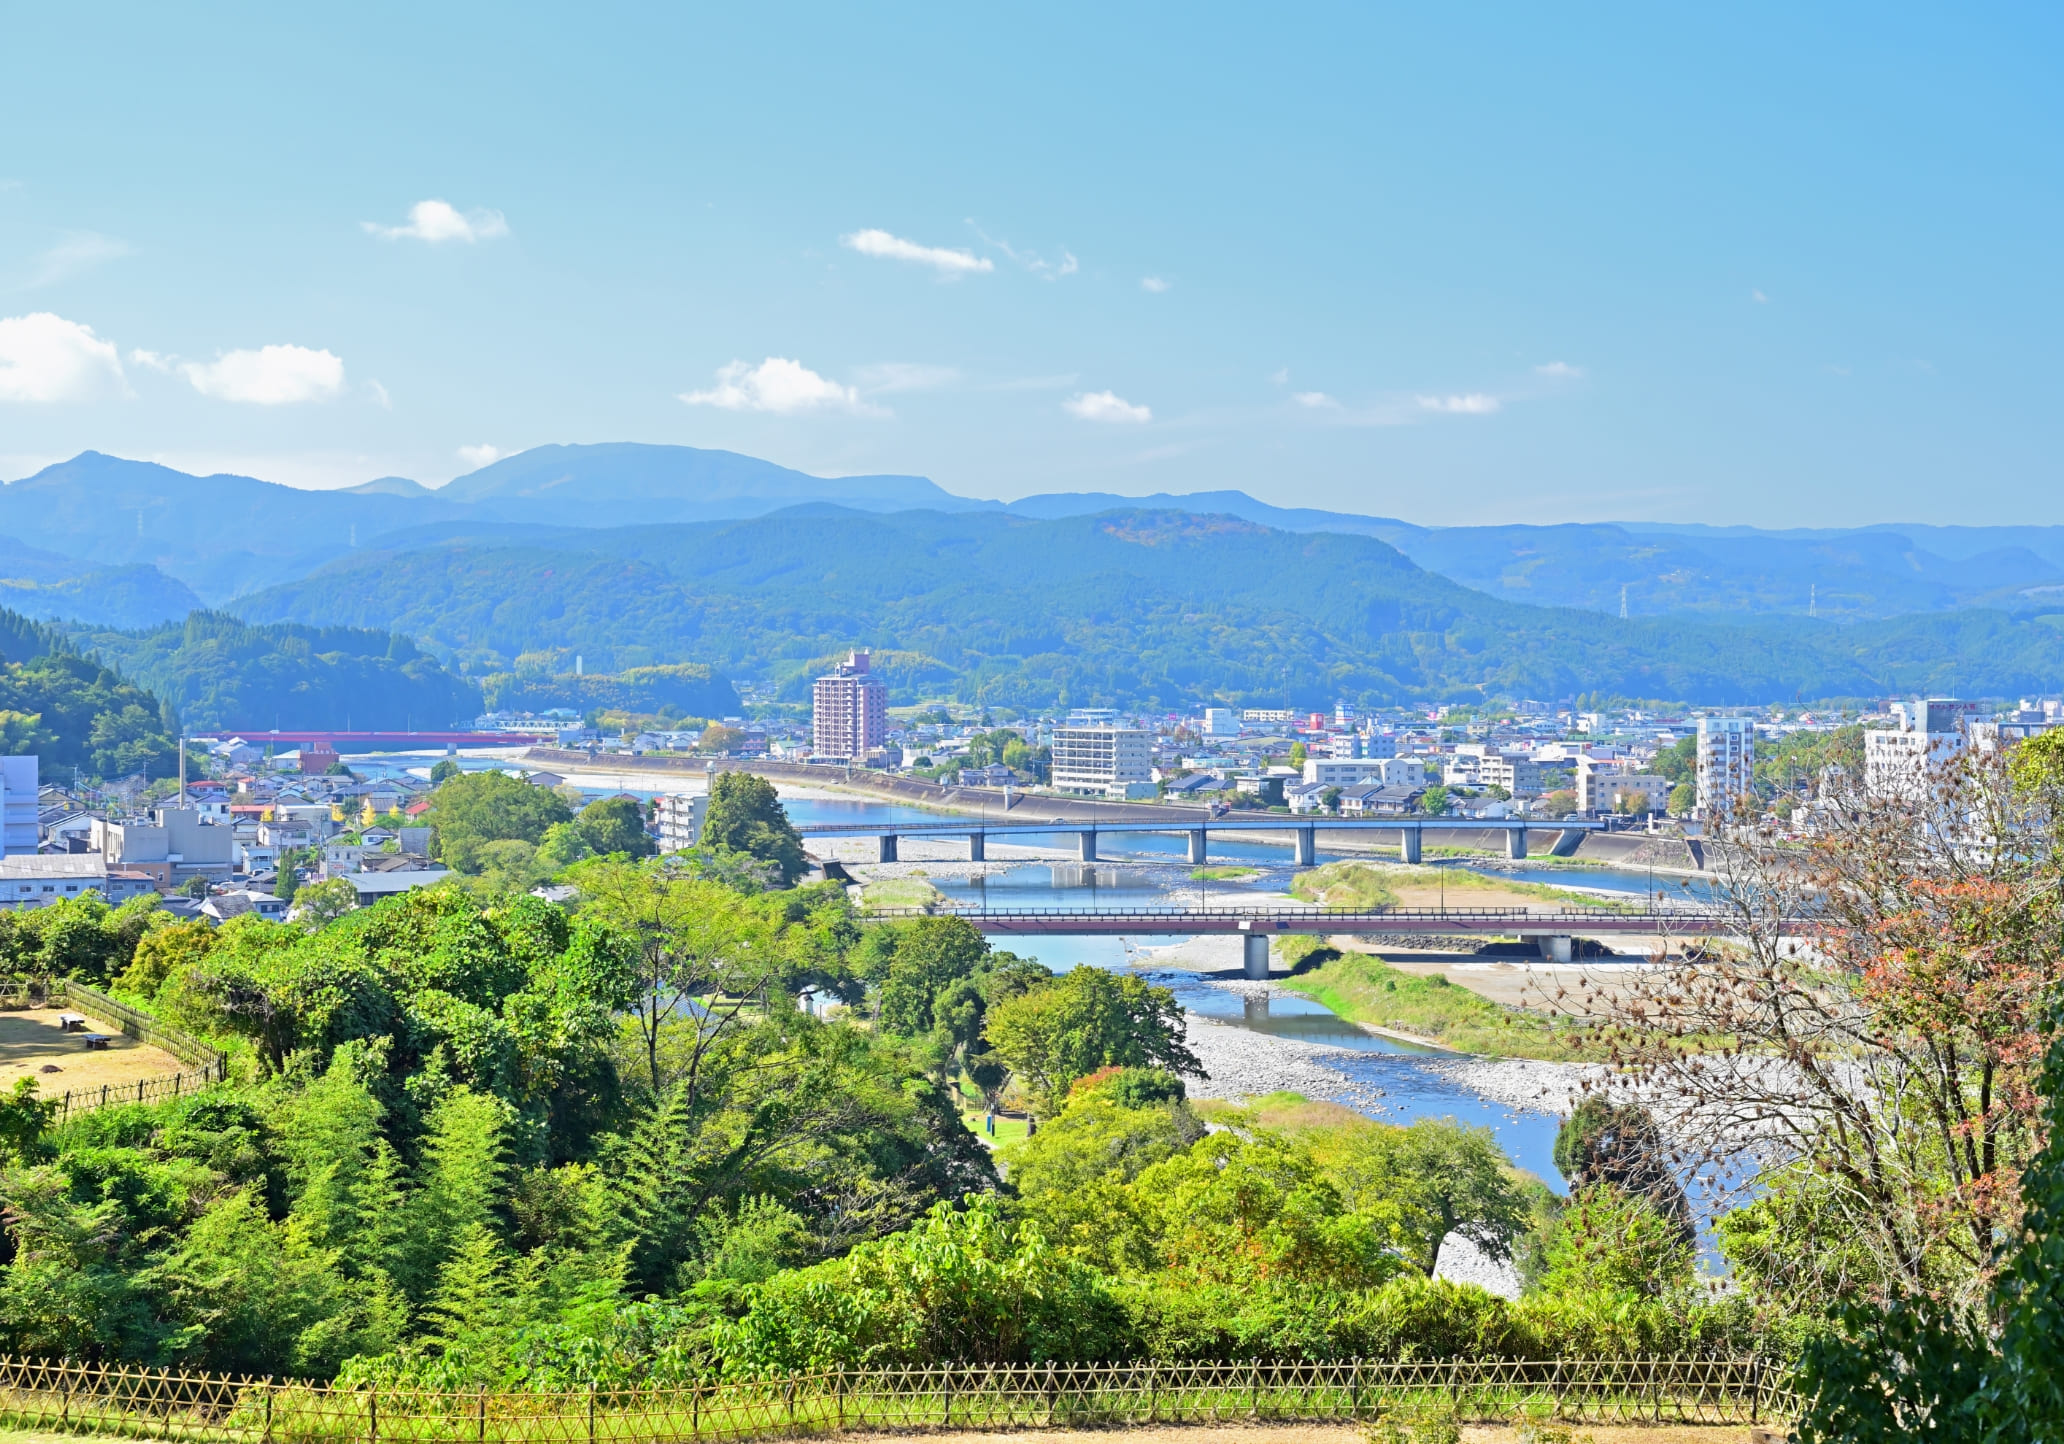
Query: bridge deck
point(971, 825)
point(1332, 920)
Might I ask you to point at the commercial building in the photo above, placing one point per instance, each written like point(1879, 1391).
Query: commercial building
point(1102, 761)
point(176, 844)
point(1343, 771)
point(1221, 722)
point(1901, 765)
point(30, 880)
point(1726, 764)
point(680, 816)
point(849, 715)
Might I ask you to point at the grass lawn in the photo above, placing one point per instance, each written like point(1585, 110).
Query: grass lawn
point(1008, 1130)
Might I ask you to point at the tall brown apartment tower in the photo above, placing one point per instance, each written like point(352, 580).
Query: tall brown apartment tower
point(849, 713)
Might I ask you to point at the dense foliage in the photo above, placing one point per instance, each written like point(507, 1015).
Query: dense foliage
point(1147, 607)
point(684, 689)
point(72, 712)
point(222, 673)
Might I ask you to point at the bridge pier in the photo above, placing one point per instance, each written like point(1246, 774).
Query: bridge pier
point(887, 851)
point(1567, 843)
point(978, 847)
point(1197, 846)
point(1255, 956)
point(1515, 843)
point(1558, 948)
point(1307, 846)
point(1408, 844)
point(1085, 849)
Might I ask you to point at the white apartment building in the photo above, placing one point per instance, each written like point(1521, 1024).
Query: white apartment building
point(1520, 776)
point(1221, 722)
point(680, 816)
point(849, 713)
point(1726, 764)
point(1901, 764)
point(19, 808)
point(1102, 761)
point(1342, 771)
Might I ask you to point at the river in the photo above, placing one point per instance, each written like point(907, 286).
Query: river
point(1381, 1077)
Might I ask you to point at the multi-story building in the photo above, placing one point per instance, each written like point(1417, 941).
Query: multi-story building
point(849, 715)
point(1221, 722)
point(1726, 764)
point(1102, 761)
point(20, 812)
point(173, 846)
point(1342, 771)
point(1520, 776)
point(1901, 764)
point(680, 816)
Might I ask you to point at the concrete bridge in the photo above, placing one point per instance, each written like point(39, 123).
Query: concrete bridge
point(1555, 930)
point(1303, 832)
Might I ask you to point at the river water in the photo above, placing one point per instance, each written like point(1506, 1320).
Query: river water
point(1391, 1080)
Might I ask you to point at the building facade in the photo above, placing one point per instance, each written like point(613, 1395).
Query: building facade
point(849, 714)
point(19, 810)
point(680, 816)
point(1726, 764)
point(1902, 764)
point(1102, 761)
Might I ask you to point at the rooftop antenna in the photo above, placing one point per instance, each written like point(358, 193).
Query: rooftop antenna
point(1623, 601)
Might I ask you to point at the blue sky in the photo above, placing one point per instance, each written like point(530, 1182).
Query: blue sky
point(1453, 264)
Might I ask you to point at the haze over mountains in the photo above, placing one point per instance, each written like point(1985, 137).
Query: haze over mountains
point(634, 554)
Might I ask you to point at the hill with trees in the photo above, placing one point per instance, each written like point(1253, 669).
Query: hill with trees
point(218, 672)
point(1138, 607)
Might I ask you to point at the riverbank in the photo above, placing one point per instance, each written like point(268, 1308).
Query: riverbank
point(1369, 991)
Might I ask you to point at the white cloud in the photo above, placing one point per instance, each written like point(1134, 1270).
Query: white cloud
point(894, 248)
point(891, 376)
point(379, 394)
point(1105, 406)
point(1759, 298)
point(1153, 283)
point(476, 457)
point(152, 360)
point(1561, 370)
point(46, 358)
point(269, 376)
point(779, 385)
point(1314, 399)
point(1280, 376)
point(438, 221)
point(1474, 404)
point(78, 251)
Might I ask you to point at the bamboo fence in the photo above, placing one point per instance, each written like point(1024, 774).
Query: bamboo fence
point(138, 1403)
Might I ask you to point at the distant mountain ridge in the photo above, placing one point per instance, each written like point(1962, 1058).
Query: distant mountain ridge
point(129, 543)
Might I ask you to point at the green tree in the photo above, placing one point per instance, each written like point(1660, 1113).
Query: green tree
point(1434, 800)
point(1444, 1178)
point(745, 815)
point(615, 824)
point(1085, 1020)
point(444, 770)
point(1683, 799)
point(469, 812)
point(324, 902)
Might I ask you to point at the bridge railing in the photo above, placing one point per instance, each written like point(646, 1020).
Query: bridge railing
point(1517, 915)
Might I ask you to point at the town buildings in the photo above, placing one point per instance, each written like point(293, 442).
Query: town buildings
point(1900, 764)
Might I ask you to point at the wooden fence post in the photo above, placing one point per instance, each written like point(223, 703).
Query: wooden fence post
point(483, 1414)
point(372, 1416)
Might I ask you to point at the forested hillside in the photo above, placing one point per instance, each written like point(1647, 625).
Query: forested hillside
point(1146, 607)
point(75, 714)
point(220, 672)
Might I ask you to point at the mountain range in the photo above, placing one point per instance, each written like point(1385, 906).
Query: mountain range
point(216, 538)
point(636, 555)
